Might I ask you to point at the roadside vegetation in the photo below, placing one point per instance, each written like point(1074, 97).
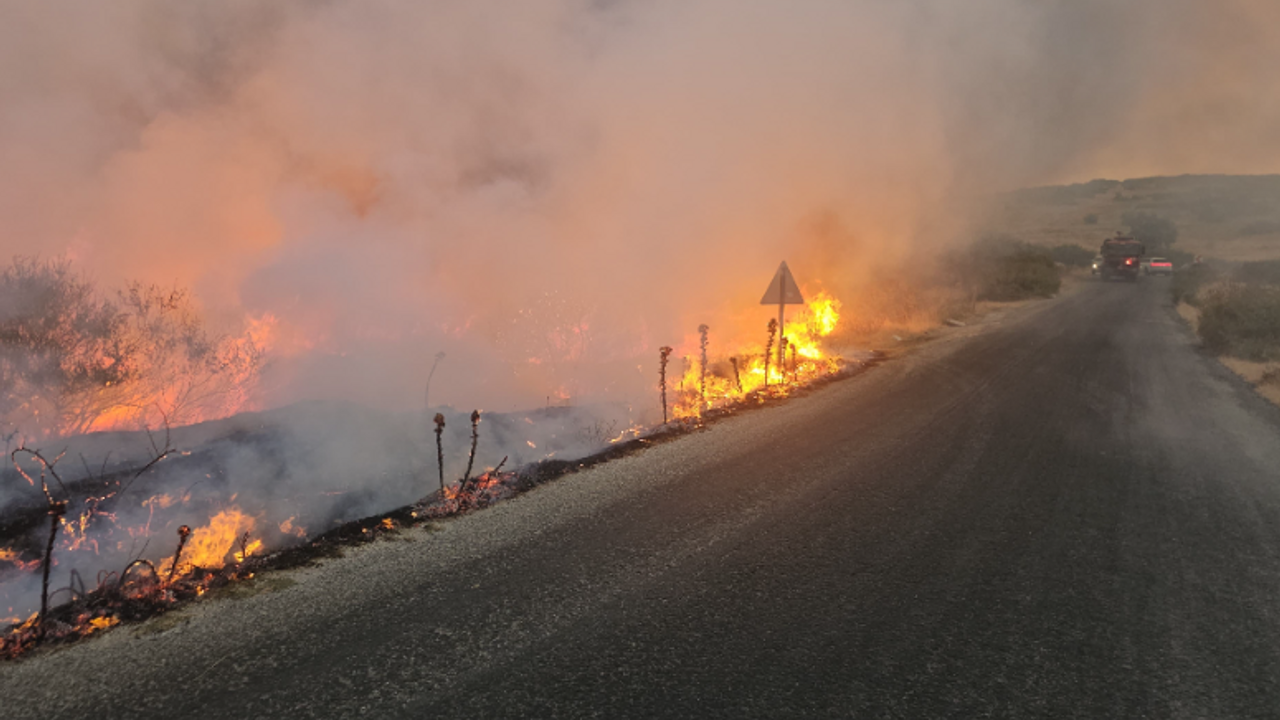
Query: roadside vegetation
point(1005, 269)
point(1239, 311)
point(1236, 315)
point(1242, 320)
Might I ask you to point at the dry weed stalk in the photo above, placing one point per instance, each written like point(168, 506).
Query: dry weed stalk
point(184, 532)
point(56, 511)
point(782, 360)
point(768, 348)
point(664, 356)
point(475, 437)
point(440, 447)
point(244, 547)
point(702, 371)
point(737, 377)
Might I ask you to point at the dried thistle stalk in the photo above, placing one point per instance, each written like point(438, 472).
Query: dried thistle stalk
point(664, 356)
point(475, 437)
point(768, 348)
point(56, 511)
point(440, 447)
point(184, 532)
point(702, 371)
point(782, 359)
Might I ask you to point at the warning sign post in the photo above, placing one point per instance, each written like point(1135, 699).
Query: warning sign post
point(783, 291)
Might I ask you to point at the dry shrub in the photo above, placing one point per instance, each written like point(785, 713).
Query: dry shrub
point(1024, 274)
point(1242, 320)
point(73, 360)
point(1188, 282)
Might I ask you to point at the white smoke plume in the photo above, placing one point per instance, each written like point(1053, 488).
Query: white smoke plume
point(546, 190)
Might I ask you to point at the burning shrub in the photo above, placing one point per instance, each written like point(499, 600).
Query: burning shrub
point(59, 345)
point(716, 384)
point(72, 361)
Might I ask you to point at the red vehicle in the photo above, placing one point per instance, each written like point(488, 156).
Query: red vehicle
point(1121, 257)
point(1158, 266)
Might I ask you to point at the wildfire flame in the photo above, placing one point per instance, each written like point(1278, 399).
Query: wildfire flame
point(210, 546)
point(726, 385)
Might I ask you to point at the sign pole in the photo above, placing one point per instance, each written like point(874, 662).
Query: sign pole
point(784, 290)
point(782, 312)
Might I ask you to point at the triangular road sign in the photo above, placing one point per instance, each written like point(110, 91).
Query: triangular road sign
point(783, 290)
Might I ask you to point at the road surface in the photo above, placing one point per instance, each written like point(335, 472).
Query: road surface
point(1067, 511)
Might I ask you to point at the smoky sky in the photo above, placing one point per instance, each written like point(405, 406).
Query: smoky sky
point(547, 190)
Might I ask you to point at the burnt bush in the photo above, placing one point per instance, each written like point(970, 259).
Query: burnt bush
point(1242, 320)
point(1003, 268)
point(1179, 258)
point(1026, 273)
point(1072, 255)
point(1188, 281)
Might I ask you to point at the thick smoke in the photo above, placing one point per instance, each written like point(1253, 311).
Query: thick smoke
point(546, 190)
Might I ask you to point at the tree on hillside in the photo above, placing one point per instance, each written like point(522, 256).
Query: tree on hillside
point(1156, 232)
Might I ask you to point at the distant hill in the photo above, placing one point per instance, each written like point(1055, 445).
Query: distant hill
point(1234, 217)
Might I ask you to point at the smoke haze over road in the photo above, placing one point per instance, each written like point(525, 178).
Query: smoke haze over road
point(548, 190)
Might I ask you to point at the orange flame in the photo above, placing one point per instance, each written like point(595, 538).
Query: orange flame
point(210, 545)
point(805, 335)
point(288, 528)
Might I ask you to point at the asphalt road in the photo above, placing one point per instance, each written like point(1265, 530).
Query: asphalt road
point(1067, 511)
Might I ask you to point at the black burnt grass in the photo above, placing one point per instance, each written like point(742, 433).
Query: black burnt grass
point(143, 594)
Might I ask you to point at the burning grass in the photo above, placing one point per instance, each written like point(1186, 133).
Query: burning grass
point(223, 552)
point(790, 358)
point(234, 544)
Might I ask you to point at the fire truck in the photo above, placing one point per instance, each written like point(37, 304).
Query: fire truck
point(1121, 257)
